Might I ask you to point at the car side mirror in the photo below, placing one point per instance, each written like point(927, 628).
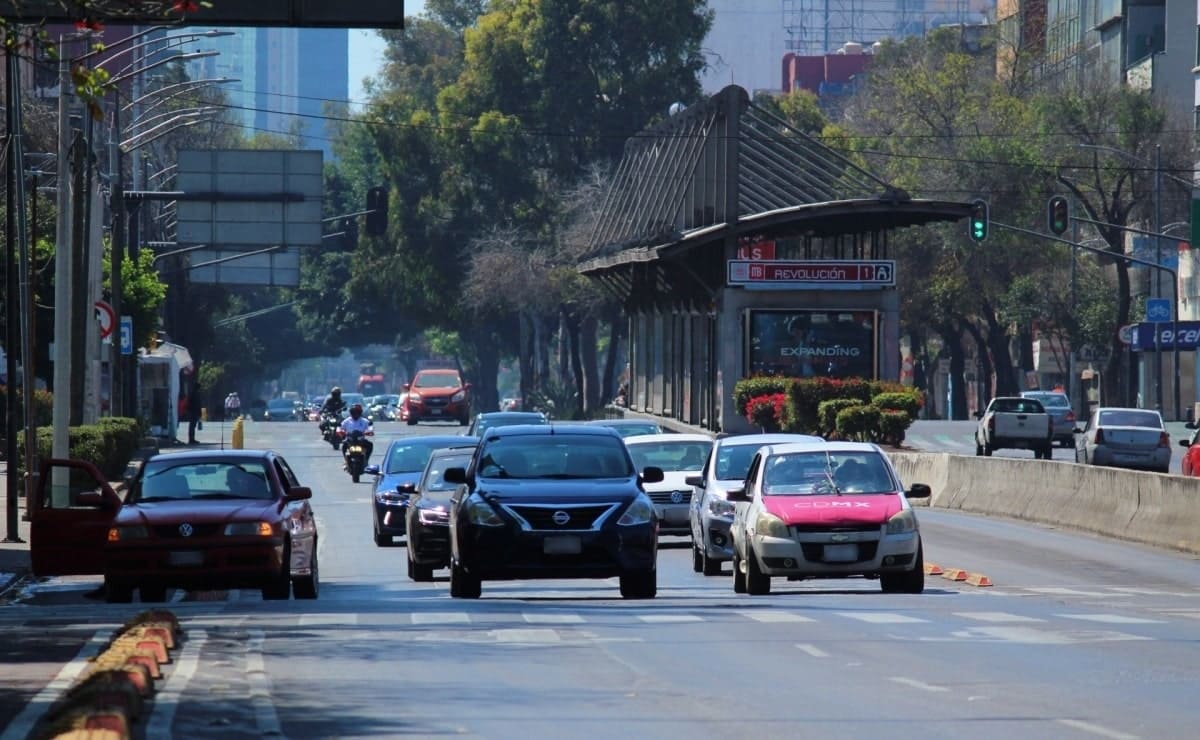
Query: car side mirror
point(1185, 443)
point(978, 414)
point(737, 494)
point(1077, 430)
point(466, 386)
point(652, 474)
point(371, 470)
point(458, 476)
point(919, 490)
point(299, 493)
point(404, 386)
point(1190, 425)
point(91, 500)
point(694, 480)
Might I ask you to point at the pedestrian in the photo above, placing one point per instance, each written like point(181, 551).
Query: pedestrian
point(193, 413)
point(233, 406)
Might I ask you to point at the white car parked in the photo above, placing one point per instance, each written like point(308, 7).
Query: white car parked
point(825, 510)
point(679, 455)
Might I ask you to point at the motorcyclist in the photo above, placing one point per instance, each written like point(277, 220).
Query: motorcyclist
point(356, 422)
point(334, 404)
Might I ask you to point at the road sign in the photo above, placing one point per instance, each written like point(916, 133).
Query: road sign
point(1158, 310)
point(127, 335)
point(107, 318)
point(813, 274)
point(1125, 333)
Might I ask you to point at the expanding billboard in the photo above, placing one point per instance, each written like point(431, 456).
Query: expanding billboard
point(804, 343)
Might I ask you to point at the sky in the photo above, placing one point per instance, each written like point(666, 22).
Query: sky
point(366, 51)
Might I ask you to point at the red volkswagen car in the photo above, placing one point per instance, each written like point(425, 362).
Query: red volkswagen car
point(437, 394)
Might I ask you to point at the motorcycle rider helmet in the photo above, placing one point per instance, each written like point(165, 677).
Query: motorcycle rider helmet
point(336, 392)
point(356, 410)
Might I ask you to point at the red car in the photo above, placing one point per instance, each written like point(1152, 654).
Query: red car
point(200, 520)
point(437, 395)
point(1190, 465)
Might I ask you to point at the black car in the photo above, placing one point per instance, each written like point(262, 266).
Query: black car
point(492, 419)
point(428, 517)
point(552, 501)
point(396, 479)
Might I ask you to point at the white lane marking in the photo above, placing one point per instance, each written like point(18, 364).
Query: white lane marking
point(1060, 591)
point(883, 618)
point(996, 617)
point(1095, 729)
point(669, 618)
point(773, 617)
point(24, 722)
point(1034, 636)
point(552, 618)
point(1152, 591)
point(529, 636)
point(1110, 618)
point(265, 715)
point(812, 650)
point(166, 702)
point(914, 683)
point(328, 620)
point(440, 618)
point(1171, 612)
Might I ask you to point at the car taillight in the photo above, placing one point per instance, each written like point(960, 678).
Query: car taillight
point(1164, 440)
point(1099, 436)
point(1070, 416)
point(992, 424)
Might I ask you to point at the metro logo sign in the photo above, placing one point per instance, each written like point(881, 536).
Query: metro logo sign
point(813, 274)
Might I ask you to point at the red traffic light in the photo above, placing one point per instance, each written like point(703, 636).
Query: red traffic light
point(1058, 214)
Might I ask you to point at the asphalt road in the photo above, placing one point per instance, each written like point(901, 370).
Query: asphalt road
point(1078, 638)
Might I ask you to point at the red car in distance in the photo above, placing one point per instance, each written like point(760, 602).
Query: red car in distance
point(437, 394)
point(1190, 465)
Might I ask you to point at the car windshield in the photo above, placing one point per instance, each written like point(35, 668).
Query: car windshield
point(733, 461)
point(1017, 406)
point(432, 486)
point(670, 455)
point(352, 398)
point(1130, 418)
point(279, 404)
point(437, 380)
point(172, 481)
point(554, 456)
point(1053, 400)
point(821, 473)
point(387, 400)
point(406, 456)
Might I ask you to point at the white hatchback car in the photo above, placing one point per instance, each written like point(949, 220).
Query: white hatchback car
point(825, 510)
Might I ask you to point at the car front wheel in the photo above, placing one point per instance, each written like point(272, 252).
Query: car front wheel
point(117, 593)
point(280, 586)
point(757, 582)
point(739, 578)
point(463, 585)
point(307, 587)
point(697, 559)
point(641, 584)
point(911, 582)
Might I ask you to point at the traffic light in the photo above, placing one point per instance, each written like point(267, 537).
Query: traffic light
point(978, 226)
point(1058, 214)
point(377, 211)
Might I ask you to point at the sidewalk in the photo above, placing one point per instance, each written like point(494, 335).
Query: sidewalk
point(14, 556)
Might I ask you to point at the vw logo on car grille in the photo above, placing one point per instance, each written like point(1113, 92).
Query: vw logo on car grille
point(561, 518)
point(676, 497)
point(185, 530)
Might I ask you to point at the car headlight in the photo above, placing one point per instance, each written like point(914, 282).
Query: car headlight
point(391, 497)
point(458, 396)
point(249, 529)
point(902, 522)
point(769, 525)
point(641, 511)
point(480, 512)
point(433, 516)
point(719, 507)
point(414, 397)
point(128, 532)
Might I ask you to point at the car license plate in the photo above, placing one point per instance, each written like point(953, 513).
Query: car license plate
point(841, 553)
point(185, 558)
point(435, 412)
point(568, 545)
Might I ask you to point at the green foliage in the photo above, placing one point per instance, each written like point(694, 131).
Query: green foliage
point(43, 406)
point(557, 401)
point(142, 292)
point(828, 411)
point(764, 385)
point(909, 402)
point(108, 444)
point(806, 395)
point(893, 423)
point(859, 423)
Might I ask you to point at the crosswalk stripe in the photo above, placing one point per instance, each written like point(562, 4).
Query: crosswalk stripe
point(812, 650)
point(773, 617)
point(669, 618)
point(1110, 618)
point(537, 636)
point(552, 618)
point(882, 617)
point(1061, 591)
point(440, 618)
point(996, 617)
point(328, 620)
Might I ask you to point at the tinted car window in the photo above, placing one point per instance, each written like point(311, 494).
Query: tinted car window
point(806, 473)
point(165, 481)
point(558, 456)
point(408, 457)
point(670, 455)
point(437, 380)
point(633, 430)
point(1018, 406)
point(432, 485)
point(1053, 400)
point(1130, 418)
point(733, 461)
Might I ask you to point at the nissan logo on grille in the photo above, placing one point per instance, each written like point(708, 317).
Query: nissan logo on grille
point(561, 518)
point(185, 530)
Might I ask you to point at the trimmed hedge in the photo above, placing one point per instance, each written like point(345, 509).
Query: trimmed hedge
point(828, 411)
point(858, 423)
point(43, 405)
point(768, 413)
point(108, 444)
point(763, 385)
point(815, 404)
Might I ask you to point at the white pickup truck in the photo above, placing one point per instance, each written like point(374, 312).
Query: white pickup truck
point(1011, 422)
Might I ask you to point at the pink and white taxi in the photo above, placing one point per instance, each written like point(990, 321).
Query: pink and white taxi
point(825, 510)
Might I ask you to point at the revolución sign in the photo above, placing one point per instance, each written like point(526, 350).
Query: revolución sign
point(813, 274)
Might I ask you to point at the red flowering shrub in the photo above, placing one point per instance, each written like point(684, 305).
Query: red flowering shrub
point(767, 412)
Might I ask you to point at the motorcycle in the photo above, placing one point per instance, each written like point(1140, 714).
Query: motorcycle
point(355, 452)
point(329, 429)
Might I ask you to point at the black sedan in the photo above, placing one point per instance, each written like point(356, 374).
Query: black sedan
point(552, 501)
point(428, 518)
point(396, 479)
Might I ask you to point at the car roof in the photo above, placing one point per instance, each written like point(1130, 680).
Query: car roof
point(662, 438)
point(767, 439)
point(448, 451)
point(511, 415)
point(454, 440)
point(201, 455)
point(822, 446)
point(619, 422)
point(529, 430)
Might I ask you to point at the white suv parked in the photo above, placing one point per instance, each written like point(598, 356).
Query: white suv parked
point(825, 510)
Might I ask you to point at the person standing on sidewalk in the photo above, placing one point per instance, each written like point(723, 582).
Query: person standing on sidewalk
point(193, 412)
point(233, 405)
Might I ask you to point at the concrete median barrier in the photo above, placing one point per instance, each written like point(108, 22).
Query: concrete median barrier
point(1150, 508)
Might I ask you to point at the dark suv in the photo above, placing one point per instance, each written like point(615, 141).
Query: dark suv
point(552, 501)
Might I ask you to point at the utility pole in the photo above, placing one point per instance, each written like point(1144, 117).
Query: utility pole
point(12, 172)
point(77, 346)
point(62, 270)
point(1158, 355)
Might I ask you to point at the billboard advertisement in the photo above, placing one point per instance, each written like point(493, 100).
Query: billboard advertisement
point(804, 343)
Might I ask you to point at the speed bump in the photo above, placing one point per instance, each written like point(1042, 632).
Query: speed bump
point(978, 579)
point(933, 569)
point(954, 574)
